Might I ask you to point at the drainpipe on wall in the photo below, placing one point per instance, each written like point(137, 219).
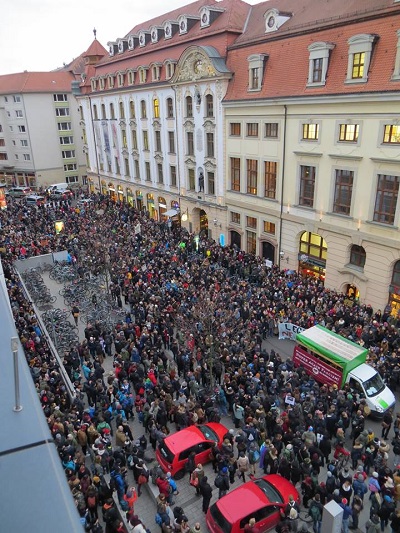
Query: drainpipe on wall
point(282, 186)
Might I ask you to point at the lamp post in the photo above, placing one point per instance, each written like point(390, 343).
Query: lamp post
point(14, 349)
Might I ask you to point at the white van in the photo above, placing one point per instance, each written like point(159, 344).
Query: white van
point(57, 187)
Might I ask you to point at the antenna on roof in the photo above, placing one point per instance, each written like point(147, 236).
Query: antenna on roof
point(94, 32)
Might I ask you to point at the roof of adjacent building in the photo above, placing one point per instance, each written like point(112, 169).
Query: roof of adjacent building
point(287, 56)
point(36, 82)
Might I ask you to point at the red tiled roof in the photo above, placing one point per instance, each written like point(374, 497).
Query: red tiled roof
point(286, 70)
point(35, 82)
point(232, 20)
point(95, 49)
point(309, 14)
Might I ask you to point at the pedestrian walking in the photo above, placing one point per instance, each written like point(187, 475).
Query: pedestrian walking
point(75, 313)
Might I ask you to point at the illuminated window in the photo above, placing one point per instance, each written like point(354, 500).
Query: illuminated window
point(359, 57)
point(348, 132)
point(391, 134)
point(270, 168)
point(156, 108)
point(251, 222)
point(269, 227)
point(310, 132)
point(252, 176)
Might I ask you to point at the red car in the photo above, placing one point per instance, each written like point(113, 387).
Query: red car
point(261, 498)
point(173, 452)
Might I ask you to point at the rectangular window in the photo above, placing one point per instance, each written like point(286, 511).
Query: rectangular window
point(116, 161)
point(358, 65)
point(191, 179)
point(310, 132)
point(148, 173)
point(27, 157)
point(67, 154)
point(4, 156)
point(18, 113)
point(348, 132)
point(72, 179)
point(210, 145)
point(189, 106)
point(24, 142)
point(251, 222)
point(254, 78)
point(210, 105)
point(317, 70)
point(3, 142)
point(131, 109)
point(172, 170)
point(386, 199)
point(307, 185)
point(211, 183)
point(251, 239)
point(157, 135)
point(271, 129)
point(235, 218)
point(62, 112)
point(252, 129)
point(137, 170)
point(269, 227)
point(127, 169)
point(171, 142)
point(270, 168)
point(190, 144)
point(60, 97)
point(64, 126)
point(134, 140)
point(143, 111)
point(124, 140)
point(170, 108)
point(252, 175)
point(235, 129)
point(17, 99)
point(235, 173)
point(68, 139)
point(343, 191)
point(391, 134)
point(70, 166)
point(22, 129)
point(160, 173)
point(145, 140)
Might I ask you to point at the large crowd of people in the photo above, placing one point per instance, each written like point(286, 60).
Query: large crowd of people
point(189, 350)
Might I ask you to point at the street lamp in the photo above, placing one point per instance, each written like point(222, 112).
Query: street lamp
point(14, 349)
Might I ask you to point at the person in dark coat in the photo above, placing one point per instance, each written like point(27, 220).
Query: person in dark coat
point(206, 492)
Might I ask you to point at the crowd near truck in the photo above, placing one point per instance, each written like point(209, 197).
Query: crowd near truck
point(334, 360)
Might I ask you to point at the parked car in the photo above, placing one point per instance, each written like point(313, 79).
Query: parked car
point(83, 202)
point(35, 200)
point(61, 194)
point(261, 498)
point(173, 452)
point(18, 192)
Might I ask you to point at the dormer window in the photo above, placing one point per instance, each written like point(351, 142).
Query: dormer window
point(167, 30)
point(93, 83)
point(111, 79)
point(155, 34)
point(169, 69)
point(318, 63)
point(102, 83)
point(122, 45)
point(182, 25)
point(131, 77)
point(360, 51)
point(274, 20)
point(144, 38)
point(112, 48)
point(256, 71)
point(142, 71)
point(133, 41)
point(156, 72)
point(208, 15)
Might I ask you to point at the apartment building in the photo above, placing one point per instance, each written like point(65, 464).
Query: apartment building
point(40, 134)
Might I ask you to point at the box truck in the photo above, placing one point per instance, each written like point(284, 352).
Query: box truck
point(334, 360)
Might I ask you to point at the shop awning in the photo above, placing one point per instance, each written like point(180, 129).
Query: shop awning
point(170, 213)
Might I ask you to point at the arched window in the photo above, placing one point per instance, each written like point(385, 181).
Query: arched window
point(103, 111)
point(112, 112)
point(121, 110)
point(396, 274)
point(95, 115)
point(189, 106)
point(170, 108)
point(357, 256)
point(132, 109)
point(143, 109)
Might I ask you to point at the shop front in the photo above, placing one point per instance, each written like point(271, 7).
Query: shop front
point(129, 197)
point(120, 193)
point(139, 200)
point(236, 239)
point(312, 255)
point(394, 291)
point(150, 206)
point(268, 251)
point(203, 221)
point(162, 208)
point(104, 190)
point(112, 192)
